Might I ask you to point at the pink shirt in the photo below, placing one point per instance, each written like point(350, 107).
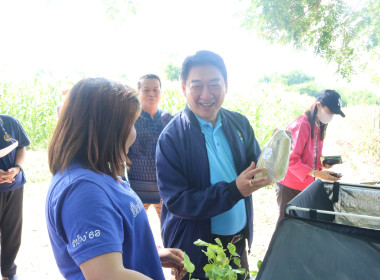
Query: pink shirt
point(301, 160)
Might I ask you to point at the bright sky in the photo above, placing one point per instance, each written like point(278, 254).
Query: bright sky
point(76, 36)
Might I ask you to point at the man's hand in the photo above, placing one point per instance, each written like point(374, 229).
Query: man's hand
point(246, 185)
point(7, 177)
point(173, 258)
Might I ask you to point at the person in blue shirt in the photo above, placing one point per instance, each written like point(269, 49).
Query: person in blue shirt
point(97, 225)
point(206, 160)
point(13, 142)
point(152, 120)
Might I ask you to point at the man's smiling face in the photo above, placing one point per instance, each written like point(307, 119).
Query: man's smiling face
point(205, 90)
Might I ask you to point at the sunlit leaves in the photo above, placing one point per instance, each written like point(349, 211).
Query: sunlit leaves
point(334, 30)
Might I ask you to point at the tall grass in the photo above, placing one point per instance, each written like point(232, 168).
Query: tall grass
point(34, 105)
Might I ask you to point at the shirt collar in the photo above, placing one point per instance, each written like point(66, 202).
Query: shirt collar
point(203, 123)
point(147, 115)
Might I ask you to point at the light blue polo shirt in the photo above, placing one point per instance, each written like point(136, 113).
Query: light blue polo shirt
point(222, 168)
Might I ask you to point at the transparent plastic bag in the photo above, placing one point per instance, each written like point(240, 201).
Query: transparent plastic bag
point(274, 157)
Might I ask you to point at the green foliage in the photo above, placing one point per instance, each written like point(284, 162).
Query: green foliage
point(268, 109)
point(172, 72)
point(218, 267)
point(309, 88)
point(358, 97)
point(297, 77)
point(348, 36)
point(253, 273)
point(365, 121)
point(368, 143)
point(35, 105)
point(172, 101)
point(119, 9)
point(189, 266)
point(294, 77)
point(297, 81)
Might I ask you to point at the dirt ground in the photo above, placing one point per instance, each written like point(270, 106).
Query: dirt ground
point(36, 261)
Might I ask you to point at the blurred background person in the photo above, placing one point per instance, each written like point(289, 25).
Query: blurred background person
point(152, 120)
point(13, 142)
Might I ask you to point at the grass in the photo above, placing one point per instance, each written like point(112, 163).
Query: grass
point(34, 105)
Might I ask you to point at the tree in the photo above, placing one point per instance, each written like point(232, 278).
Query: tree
point(345, 35)
point(172, 72)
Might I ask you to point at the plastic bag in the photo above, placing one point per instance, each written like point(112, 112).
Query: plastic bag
point(275, 157)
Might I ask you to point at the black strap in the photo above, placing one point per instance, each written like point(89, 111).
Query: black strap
point(336, 187)
point(312, 214)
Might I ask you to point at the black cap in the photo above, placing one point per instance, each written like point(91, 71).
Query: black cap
point(332, 100)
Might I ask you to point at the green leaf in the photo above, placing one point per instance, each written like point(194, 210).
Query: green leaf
point(231, 248)
point(217, 240)
point(253, 273)
point(217, 271)
point(189, 266)
point(237, 262)
point(239, 270)
point(208, 267)
point(201, 243)
point(210, 254)
point(259, 262)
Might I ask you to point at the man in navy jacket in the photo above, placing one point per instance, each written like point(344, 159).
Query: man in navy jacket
point(205, 166)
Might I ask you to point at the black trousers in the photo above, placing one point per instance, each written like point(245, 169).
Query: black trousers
point(284, 195)
point(10, 229)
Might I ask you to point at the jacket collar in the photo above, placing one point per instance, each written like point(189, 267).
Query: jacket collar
point(193, 119)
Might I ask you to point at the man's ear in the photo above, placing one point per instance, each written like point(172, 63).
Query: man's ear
point(226, 87)
point(183, 86)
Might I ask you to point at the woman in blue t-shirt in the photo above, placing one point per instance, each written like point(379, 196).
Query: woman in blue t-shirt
point(96, 223)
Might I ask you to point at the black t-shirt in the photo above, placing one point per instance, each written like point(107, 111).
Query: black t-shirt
point(14, 131)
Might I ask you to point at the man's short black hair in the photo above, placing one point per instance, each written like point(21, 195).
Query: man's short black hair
point(203, 58)
point(147, 76)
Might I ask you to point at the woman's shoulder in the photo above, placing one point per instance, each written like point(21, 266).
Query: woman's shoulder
point(300, 122)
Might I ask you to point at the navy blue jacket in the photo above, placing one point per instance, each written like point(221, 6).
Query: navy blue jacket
point(183, 177)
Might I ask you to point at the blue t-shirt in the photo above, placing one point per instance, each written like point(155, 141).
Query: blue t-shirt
point(14, 131)
point(90, 214)
point(222, 168)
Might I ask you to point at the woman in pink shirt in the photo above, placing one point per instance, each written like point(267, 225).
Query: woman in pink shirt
point(308, 132)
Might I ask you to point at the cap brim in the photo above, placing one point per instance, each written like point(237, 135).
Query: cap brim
point(341, 113)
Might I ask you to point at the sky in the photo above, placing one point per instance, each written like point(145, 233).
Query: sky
point(74, 38)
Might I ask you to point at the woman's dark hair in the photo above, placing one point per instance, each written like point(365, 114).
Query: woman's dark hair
point(93, 127)
point(203, 58)
point(311, 114)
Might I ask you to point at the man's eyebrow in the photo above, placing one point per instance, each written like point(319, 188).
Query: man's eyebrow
point(212, 80)
point(215, 80)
